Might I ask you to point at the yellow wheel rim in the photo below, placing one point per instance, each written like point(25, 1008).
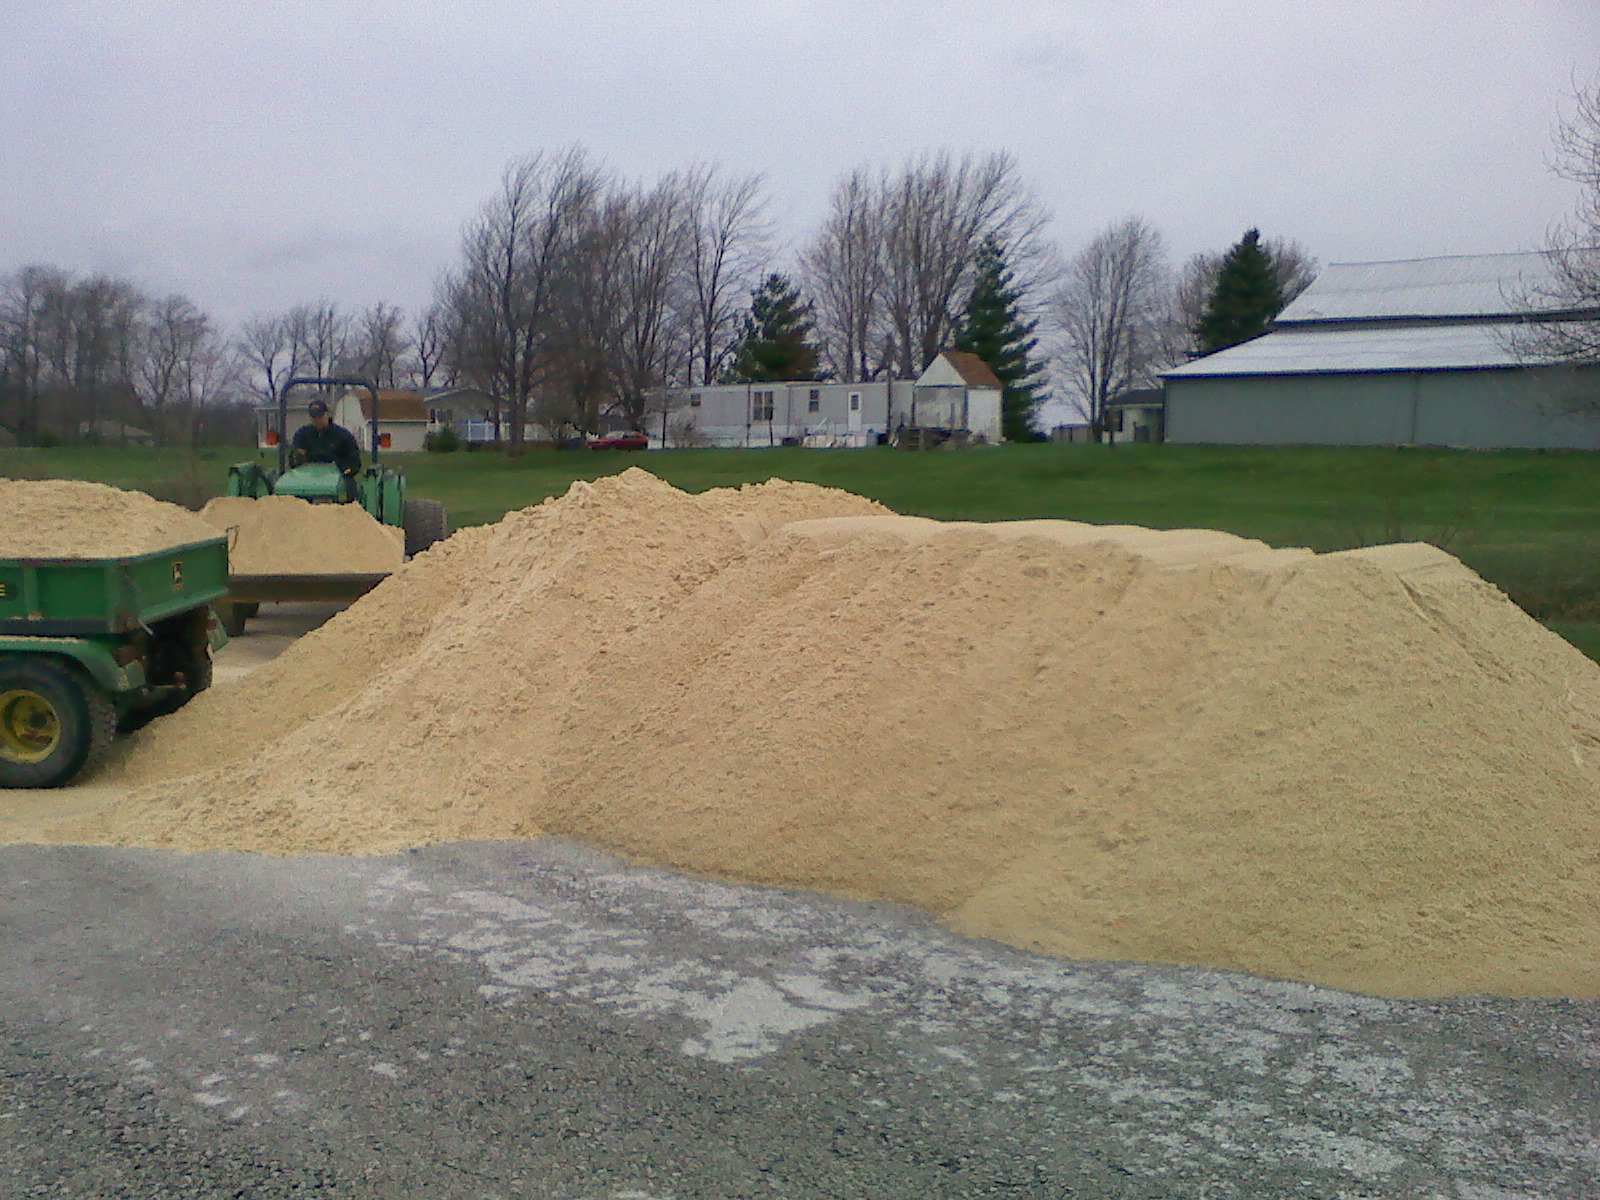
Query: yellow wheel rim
point(30, 727)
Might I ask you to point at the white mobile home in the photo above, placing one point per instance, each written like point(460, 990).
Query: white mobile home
point(956, 394)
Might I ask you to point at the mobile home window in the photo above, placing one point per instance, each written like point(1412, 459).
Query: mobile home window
point(813, 405)
point(855, 401)
point(694, 399)
point(761, 406)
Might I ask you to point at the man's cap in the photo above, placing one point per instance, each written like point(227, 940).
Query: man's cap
point(317, 407)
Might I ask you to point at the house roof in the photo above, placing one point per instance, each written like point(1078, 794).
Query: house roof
point(1335, 348)
point(395, 405)
point(1465, 286)
point(973, 370)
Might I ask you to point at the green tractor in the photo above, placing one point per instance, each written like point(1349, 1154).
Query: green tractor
point(378, 489)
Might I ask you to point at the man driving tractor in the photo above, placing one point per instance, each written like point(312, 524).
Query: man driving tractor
point(322, 441)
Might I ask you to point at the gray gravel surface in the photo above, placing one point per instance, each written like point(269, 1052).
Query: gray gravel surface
point(538, 1020)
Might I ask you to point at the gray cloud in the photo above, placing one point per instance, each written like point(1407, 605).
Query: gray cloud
point(257, 155)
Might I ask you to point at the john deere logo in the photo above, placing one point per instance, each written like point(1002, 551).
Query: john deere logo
point(177, 576)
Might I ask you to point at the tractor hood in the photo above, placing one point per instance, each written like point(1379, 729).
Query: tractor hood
point(313, 481)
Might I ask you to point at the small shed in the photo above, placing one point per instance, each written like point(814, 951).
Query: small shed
point(1137, 415)
point(958, 391)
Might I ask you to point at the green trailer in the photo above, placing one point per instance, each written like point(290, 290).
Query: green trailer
point(89, 647)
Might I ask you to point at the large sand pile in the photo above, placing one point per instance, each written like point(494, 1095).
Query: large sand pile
point(1365, 769)
point(285, 535)
point(67, 518)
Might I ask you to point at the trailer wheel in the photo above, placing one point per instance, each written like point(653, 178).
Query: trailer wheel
point(179, 656)
point(54, 720)
point(233, 617)
point(425, 522)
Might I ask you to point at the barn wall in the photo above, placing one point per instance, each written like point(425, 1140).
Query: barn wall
point(1475, 409)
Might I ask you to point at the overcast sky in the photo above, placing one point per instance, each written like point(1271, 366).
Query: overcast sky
point(255, 155)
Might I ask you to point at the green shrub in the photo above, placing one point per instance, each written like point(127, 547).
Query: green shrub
point(444, 441)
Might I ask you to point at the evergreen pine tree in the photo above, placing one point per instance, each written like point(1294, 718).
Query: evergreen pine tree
point(1246, 297)
point(993, 328)
point(775, 342)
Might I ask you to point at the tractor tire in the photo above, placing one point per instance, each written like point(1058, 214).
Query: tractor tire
point(54, 721)
point(425, 523)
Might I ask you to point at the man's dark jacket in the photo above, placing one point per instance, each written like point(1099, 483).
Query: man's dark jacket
point(335, 444)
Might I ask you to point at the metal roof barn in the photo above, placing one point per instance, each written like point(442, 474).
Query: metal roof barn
point(1482, 285)
point(1420, 352)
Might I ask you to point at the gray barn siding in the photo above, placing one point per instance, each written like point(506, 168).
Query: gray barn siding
point(1488, 409)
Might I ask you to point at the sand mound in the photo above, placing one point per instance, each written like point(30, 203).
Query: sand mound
point(285, 535)
point(1367, 769)
point(319, 674)
point(66, 518)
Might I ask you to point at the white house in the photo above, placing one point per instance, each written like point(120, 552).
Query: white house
point(1421, 352)
point(957, 394)
point(402, 419)
point(467, 410)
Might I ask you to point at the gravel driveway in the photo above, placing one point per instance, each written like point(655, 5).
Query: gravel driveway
point(538, 1020)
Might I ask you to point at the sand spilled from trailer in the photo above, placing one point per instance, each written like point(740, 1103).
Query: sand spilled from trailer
point(285, 535)
point(1366, 769)
point(67, 518)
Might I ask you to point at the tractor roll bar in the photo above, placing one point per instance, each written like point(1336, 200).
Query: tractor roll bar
point(324, 381)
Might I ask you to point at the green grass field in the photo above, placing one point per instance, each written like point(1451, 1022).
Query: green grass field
point(1526, 520)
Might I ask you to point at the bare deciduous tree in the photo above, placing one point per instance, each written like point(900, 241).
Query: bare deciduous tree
point(175, 334)
point(381, 345)
point(430, 346)
point(104, 318)
point(268, 356)
point(320, 336)
point(27, 300)
point(727, 246)
point(1574, 253)
point(937, 214)
point(212, 376)
point(514, 253)
point(579, 371)
point(651, 337)
point(1110, 311)
point(893, 263)
point(844, 271)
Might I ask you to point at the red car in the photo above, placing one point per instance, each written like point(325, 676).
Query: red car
point(620, 441)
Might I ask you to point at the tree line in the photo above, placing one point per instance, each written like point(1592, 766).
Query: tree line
point(580, 297)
